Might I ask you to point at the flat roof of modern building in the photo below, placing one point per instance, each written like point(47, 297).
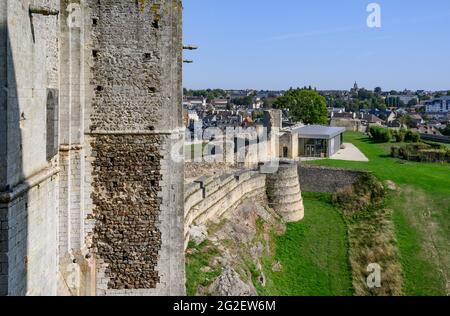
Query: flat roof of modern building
point(318, 131)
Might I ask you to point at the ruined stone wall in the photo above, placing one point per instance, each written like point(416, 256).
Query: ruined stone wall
point(325, 179)
point(291, 142)
point(134, 220)
point(353, 125)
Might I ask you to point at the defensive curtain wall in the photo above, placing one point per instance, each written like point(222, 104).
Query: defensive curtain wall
point(326, 180)
point(208, 199)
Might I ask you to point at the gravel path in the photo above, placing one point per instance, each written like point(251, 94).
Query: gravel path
point(350, 153)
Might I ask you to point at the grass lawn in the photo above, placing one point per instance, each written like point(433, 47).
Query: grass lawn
point(421, 213)
point(313, 254)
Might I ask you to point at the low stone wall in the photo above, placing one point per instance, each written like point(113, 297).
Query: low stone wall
point(324, 179)
point(209, 198)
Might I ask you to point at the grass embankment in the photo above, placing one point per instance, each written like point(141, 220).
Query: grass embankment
point(371, 237)
point(420, 211)
point(197, 258)
point(312, 253)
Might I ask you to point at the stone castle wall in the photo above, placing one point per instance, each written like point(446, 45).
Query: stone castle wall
point(89, 189)
point(29, 67)
point(135, 119)
point(209, 199)
point(324, 179)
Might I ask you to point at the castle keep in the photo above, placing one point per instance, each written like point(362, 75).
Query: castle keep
point(91, 201)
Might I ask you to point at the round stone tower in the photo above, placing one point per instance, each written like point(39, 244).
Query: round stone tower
point(284, 194)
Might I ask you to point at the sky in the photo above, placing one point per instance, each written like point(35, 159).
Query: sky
point(275, 45)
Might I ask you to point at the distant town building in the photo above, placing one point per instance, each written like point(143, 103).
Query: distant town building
point(194, 101)
point(355, 88)
point(220, 103)
point(438, 105)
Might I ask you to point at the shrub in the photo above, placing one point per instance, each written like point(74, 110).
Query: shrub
point(411, 137)
point(434, 155)
point(395, 151)
point(399, 135)
point(380, 134)
point(366, 192)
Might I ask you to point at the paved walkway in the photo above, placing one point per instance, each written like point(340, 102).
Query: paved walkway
point(350, 153)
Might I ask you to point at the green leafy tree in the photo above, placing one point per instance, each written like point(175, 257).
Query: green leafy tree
point(412, 102)
point(246, 101)
point(269, 102)
point(380, 134)
point(304, 105)
point(446, 131)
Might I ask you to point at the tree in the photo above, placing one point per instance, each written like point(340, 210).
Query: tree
point(446, 131)
point(304, 105)
point(378, 90)
point(244, 101)
point(448, 93)
point(380, 134)
point(412, 102)
point(268, 102)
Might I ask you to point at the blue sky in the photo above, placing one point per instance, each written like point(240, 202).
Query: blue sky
point(264, 44)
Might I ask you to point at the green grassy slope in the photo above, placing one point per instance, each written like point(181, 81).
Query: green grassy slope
point(313, 254)
point(421, 213)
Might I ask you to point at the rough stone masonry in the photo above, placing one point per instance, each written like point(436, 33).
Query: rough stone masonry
point(91, 201)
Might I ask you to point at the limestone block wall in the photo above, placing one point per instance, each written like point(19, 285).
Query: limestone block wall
point(325, 179)
point(208, 199)
point(114, 71)
point(3, 251)
point(29, 68)
point(289, 141)
point(354, 125)
point(32, 68)
point(32, 255)
point(3, 94)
